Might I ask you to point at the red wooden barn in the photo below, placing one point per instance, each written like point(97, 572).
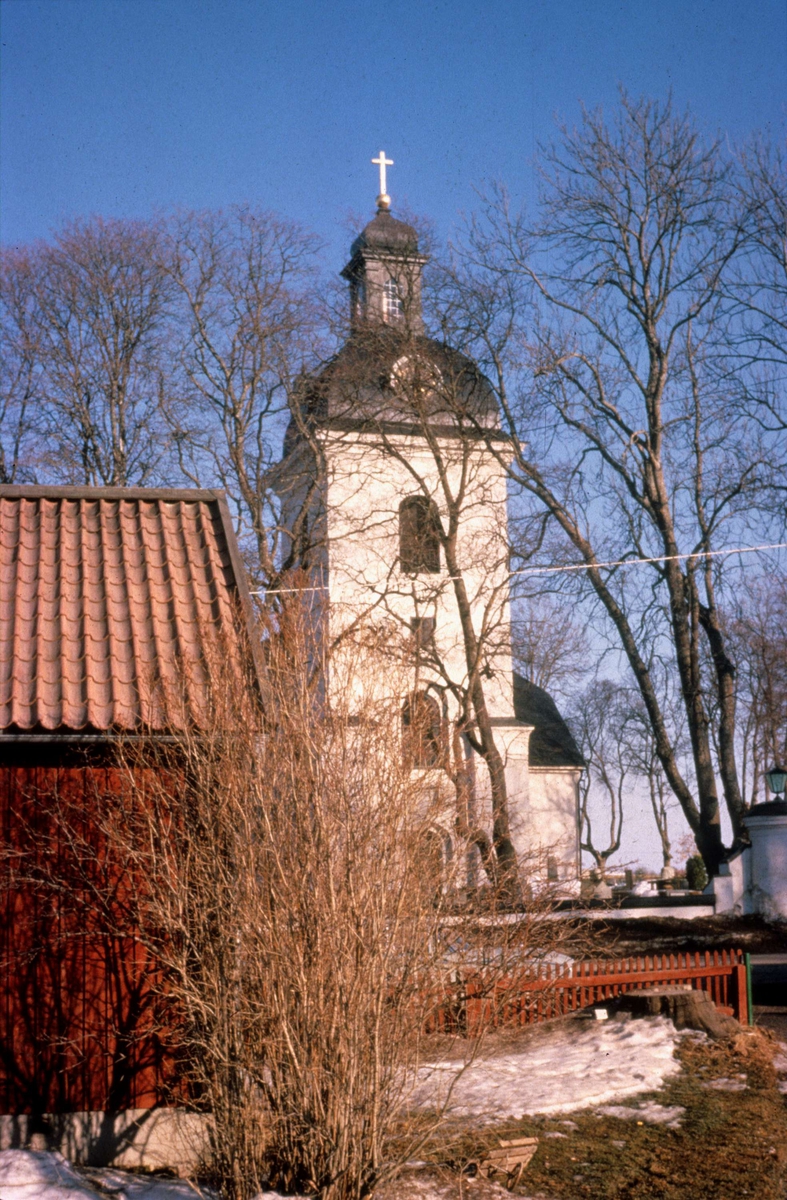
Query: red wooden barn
point(109, 601)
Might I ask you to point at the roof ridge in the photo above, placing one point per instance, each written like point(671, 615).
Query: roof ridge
point(34, 491)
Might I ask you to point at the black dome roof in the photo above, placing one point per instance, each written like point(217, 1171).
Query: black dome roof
point(386, 235)
point(383, 377)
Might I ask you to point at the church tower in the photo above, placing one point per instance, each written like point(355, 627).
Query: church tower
point(394, 488)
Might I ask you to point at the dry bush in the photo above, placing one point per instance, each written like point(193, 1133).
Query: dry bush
point(284, 881)
point(290, 890)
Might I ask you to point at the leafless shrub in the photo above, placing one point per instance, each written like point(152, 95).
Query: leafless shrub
point(276, 883)
point(291, 890)
point(309, 924)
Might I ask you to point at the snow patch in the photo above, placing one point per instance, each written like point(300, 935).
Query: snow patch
point(724, 1084)
point(780, 1058)
point(34, 1174)
point(573, 1065)
point(647, 1111)
point(127, 1186)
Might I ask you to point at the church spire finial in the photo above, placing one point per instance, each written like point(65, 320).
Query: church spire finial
point(383, 200)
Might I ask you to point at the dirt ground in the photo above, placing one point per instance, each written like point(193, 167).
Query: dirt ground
point(651, 935)
point(730, 1144)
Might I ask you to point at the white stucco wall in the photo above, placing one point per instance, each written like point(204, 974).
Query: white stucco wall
point(357, 516)
point(732, 886)
point(768, 863)
point(150, 1138)
point(755, 879)
point(553, 825)
point(365, 486)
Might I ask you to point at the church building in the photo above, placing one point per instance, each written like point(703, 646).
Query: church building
point(394, 491)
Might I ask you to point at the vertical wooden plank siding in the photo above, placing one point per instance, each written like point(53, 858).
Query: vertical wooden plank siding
point(79, 1029)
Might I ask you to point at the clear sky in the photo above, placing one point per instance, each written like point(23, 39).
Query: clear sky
point(120, 107)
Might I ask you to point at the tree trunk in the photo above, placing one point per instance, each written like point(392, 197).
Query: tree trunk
point(509, 886)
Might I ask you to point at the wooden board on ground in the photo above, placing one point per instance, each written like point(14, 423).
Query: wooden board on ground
point(509, 1159)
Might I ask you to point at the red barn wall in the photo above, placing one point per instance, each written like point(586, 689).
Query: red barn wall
point(80, 1018)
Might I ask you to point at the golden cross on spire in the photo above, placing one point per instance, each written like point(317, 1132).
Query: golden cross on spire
point(383, 200)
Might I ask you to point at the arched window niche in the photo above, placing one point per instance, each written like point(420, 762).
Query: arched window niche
point(422, 729)
point(419, 540)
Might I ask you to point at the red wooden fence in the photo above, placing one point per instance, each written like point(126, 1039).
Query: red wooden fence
point(485, 1000)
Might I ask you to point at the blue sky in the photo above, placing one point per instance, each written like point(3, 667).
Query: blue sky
point(120, 107)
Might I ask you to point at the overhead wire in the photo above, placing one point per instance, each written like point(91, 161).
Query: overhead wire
point(634, 562)
point(557, 569)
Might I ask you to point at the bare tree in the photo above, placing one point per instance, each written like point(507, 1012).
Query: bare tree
point(140, 352)
point(19, 367)
point(85, 319)
point(247, 325)
point(601, 327)
point(550, 647)
point(598, 724)
point(758, 287)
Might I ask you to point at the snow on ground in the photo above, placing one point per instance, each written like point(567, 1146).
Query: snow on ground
point(43, 1175)
point(572, 1065)
point(780, 1063)
point(561, 1068)
point(32, 1174)
point(126, 1186)
point(46, 1175)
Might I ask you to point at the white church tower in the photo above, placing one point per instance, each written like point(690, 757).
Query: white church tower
point(394, 492)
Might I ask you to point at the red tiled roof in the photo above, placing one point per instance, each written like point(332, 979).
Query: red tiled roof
point(110, 600)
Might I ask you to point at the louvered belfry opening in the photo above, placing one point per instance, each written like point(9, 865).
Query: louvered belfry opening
point(419, 539)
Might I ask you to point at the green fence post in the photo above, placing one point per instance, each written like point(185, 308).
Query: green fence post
point(749, 1004)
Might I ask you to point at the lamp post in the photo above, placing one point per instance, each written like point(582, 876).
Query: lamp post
point(776, 781)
